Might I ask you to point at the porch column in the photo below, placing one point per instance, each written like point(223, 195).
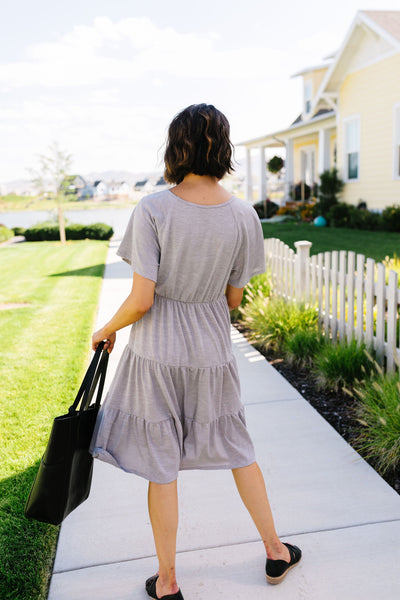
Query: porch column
point(323, 150)
point(249, 179)
point(262, 188)
point(289, 168)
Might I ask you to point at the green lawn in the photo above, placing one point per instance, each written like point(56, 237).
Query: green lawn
point(373, 244)
point(45, 349)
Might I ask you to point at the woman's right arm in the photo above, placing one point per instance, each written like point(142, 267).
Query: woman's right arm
point(136, 305)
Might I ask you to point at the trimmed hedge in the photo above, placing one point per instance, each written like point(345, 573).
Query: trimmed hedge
point(19, 230)
point(50, 232)
point(5, 233)
point(351, 217)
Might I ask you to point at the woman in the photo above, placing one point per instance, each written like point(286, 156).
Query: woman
point(175, 400)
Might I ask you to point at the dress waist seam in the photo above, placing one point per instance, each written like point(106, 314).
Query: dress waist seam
point(176, 366)
point(216, 301)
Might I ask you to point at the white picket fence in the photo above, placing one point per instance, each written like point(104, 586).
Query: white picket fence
point(350, 291)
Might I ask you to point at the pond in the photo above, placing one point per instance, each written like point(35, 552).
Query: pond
point(116, 217)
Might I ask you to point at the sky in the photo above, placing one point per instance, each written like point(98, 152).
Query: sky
point(104, 79)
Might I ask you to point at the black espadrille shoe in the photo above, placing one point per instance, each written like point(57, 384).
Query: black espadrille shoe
point(276, 570)
point(151, 590)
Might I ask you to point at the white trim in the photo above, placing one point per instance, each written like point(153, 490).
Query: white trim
point(356, 117)
point(255, 143)
point(359, 19)
point(396, 141)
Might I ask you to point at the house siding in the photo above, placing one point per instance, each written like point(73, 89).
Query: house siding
point(371, 93)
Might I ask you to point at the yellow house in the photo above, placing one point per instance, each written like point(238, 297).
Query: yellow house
point(350, 118)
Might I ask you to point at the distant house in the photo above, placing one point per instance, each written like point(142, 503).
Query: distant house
point(117, 189)
point(350, 118)
point(86, 192)
point(155, 184)
point(100, 189)
point(161, 184)
point(139, 185)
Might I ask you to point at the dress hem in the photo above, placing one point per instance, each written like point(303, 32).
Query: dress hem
point(104, 456)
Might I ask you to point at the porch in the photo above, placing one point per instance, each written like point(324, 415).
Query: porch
point(309, 149)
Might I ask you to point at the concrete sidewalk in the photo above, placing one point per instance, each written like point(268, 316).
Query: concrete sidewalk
point(325, 498)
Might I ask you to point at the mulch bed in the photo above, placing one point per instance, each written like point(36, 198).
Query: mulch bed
point(334, 406)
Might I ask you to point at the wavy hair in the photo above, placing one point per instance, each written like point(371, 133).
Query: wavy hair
point(198, 142)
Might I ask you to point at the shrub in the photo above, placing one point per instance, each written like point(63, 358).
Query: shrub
point(271, 321)
point(342, 365)
point(347, 215)
point(5, 233)
point(331, 185)
point(364, 219)
point(391, 218)
point(378, 411)
point(297, 189)
point(19, 230)
point(50, 232)
point(302, 346)
point(258, 286)
point(99, 231)
point(265, 208)
point(393, 264)
point(41, 232)
point(339, 215)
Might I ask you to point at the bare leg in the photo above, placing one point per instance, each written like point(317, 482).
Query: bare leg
point(250, 484)
point(163, 511)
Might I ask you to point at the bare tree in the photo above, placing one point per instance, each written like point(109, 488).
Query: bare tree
point(51, 172)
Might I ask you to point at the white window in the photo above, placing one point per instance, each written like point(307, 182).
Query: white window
point(352, 148)
point(307, 96)
point(396, 142)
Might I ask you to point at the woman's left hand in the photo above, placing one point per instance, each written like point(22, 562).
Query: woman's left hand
point(109, 340)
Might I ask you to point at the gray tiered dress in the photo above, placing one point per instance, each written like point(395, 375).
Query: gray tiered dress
point(174, 402)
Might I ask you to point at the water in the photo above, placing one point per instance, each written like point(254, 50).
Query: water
point(116, 217)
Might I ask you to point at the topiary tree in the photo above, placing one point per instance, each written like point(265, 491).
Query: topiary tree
point(331, 185)
point(275, 164)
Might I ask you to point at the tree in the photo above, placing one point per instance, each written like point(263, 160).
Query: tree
point(329, 189)
point(52, 170)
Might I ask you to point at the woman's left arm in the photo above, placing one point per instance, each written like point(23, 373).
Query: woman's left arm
point(139, 301)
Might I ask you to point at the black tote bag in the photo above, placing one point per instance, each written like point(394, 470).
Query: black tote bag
point(65, 472)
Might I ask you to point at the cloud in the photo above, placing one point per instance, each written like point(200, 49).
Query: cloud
point(128, 50)
point(106, 92)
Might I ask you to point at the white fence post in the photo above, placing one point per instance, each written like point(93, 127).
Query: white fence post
point(302, 270)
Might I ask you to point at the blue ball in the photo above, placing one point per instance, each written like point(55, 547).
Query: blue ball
point(320, 222)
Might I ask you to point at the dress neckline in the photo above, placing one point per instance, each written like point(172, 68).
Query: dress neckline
point(201, 205)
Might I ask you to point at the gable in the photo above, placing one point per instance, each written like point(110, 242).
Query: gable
point(366, 43)
point(364, 48)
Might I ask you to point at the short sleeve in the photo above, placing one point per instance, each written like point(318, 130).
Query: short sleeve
point(140, 246)
point(250, 256)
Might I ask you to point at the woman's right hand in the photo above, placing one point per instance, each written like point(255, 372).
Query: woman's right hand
point(99, 336)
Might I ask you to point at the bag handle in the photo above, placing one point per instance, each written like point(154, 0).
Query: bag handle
point(100, 374)
point(87, 383)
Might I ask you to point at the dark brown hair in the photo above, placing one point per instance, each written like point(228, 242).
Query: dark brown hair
point(198, 142)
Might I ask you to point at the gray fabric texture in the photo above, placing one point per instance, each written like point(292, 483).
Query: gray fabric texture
point(175, 402)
